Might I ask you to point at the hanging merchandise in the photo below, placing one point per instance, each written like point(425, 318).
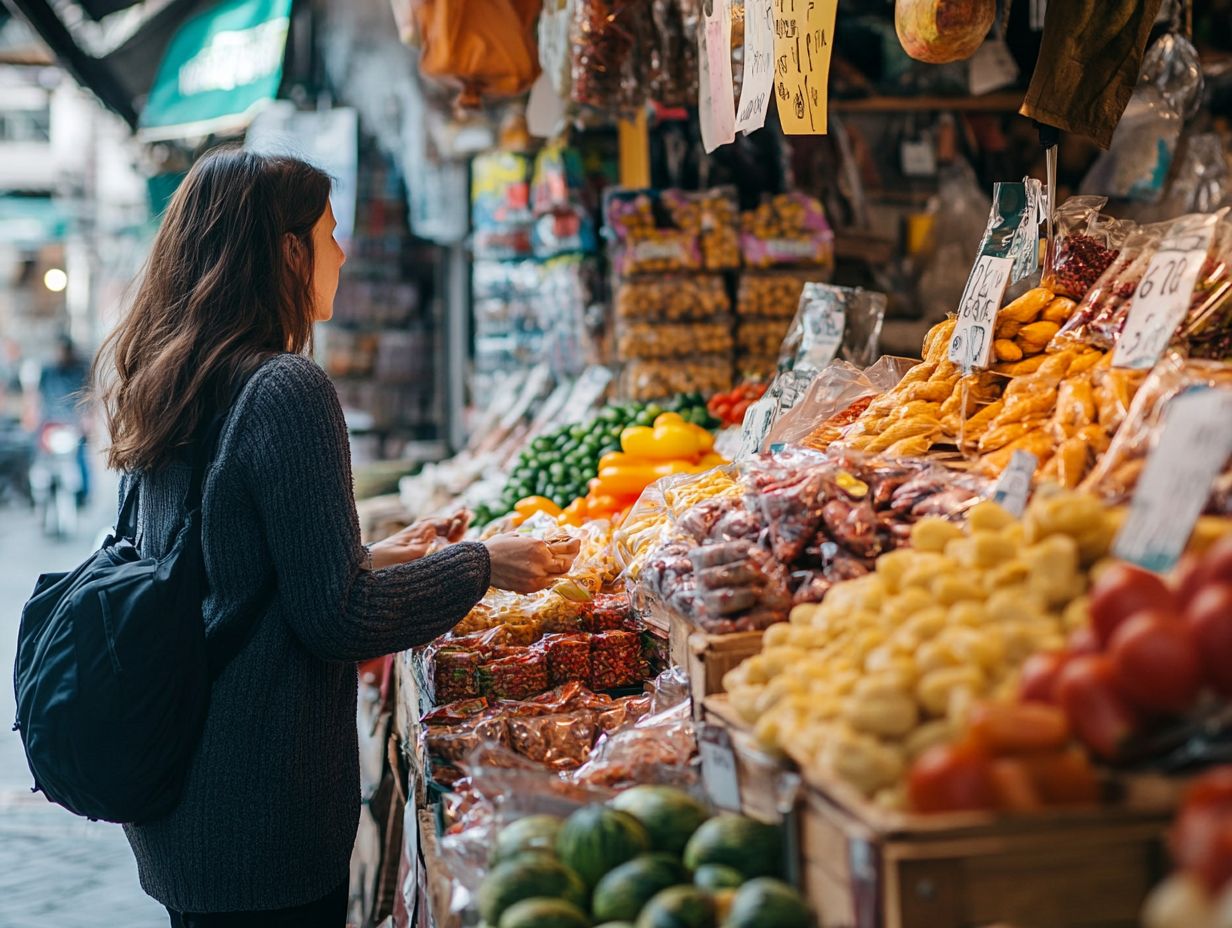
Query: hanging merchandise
point(1088, 65)
point(674, 66)
point(940, 31)
point(555, 24)
point(608, 73)
point(562, 223)
point(833, 322)
point(488, 46)
point(716, 104)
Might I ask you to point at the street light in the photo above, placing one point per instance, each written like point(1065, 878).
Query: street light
point(55, 280)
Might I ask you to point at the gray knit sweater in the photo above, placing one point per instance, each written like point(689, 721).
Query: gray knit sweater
point(271, 805)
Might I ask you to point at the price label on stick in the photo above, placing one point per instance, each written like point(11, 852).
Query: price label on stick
point(758, 85)
point(971, 343)
point(716, 88)
point(803, 43)
point(719, 772)
point(1162, 298)
point(1194, 447)
point(1014, 486)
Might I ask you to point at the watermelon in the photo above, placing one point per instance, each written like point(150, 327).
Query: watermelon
point(678, 907)
point(670, 815)
point(717, 876)
point(748, 846)
point(622, 892)
point(528, 876)
point(595, 839)
point(544, 913)
point(533, 833)
point(767, 903)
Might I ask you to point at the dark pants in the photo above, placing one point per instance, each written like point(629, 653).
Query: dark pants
point(329, 912)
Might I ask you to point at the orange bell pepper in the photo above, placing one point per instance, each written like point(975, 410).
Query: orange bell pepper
point(530, 505)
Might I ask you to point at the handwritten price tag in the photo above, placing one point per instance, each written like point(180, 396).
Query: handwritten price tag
point(1014, 485)
point(971, 343)
point(716, 106)
point(758, 86)
point(719, 771)
point(803, 43)
point(1193, 448)
point(1162, 298)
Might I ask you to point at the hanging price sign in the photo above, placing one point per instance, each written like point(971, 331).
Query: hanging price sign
point(716, 104)
point(758, 85)
point(803, 43)
point(1014, 485)
point(1162, 298)
point(1194, 447)
point(971, 343)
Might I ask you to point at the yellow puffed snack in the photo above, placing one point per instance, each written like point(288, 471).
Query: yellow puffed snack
point(951, 588)
point(935, 688)
point(1027, 306)
point(937, 341)
point(1004, 349)
point(987, 516)
point(882, 711)
point(1037, 334)
point(931, 533)
point(1058, 310)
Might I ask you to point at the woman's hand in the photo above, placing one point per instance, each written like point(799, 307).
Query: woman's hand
point(418, 539)
point(524, 564)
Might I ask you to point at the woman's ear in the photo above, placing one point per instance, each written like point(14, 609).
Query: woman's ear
point(294, 251)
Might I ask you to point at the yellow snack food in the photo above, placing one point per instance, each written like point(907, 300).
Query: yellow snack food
point(1004, 349)
point(1058, 310)
point(1027, 306)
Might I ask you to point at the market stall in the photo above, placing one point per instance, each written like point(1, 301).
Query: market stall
point(928, 637)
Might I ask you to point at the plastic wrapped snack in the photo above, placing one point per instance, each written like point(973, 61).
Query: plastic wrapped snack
point(1083, 245)
point(560, 741)
point(608, 72)
point(672, 298)
point(788, 229)
point(615, 660)
point(659, 749)
point(1116, 475)
point(611, 612)
point(673, 340)
point(711, 215)
point(568, 658)
point(644, 379)
point(644, 240)
point(773, 294)
point(833, 322)
point(516, 676)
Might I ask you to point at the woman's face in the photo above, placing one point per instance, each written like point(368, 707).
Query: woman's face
point(328, 258)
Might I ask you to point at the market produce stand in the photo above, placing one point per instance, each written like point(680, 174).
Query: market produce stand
point(864, 866)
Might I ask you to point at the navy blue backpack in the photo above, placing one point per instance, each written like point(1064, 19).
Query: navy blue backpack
point(113, 672)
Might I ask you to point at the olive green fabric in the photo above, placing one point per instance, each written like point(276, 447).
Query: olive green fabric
point(1088, 64)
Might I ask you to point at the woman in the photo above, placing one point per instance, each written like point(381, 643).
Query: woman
point(244, 264)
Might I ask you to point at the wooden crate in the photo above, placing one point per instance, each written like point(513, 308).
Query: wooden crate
point(708, 657)
point(865, 867)
point(435, 885)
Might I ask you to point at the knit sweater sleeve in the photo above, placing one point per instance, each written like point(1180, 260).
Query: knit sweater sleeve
point(290, 439)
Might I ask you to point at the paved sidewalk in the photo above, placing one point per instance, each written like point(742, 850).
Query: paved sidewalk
point(56, 870)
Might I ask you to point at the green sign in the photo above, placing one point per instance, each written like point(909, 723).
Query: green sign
point(221, 67)
point(31, 222)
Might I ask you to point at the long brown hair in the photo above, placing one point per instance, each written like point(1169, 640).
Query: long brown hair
point(223, 289)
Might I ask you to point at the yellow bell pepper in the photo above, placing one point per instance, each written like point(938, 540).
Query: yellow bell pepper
point(663, 442)
point(712, 460)
point(530, 505)
point(669, 418)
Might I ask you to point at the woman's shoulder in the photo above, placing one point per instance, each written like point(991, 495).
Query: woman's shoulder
point(289, 390)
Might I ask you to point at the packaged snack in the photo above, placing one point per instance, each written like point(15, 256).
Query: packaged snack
point(672, 298)
point(517, 676)
point(608, 72)
point(672, 340)
point(773, 294)
point(654, 379)
point(659, 749)
point(559, 742)
point(615, 660)
point(789, 229)
point(611, 612)
point(676, 24)
point(568, 657)
point(711, 215)
point(1084, 244)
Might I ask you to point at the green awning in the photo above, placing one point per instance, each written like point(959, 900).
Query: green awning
point(221, 67)
point(31, 222)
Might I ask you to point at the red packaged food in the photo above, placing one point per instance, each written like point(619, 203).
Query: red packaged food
point(453, 743)
point(561, 741)
point(514, 677)
point(452, 674)
point(611, 610)
point(615, 660)
point(455, 712)
point(1084, 244)
point(568, 658)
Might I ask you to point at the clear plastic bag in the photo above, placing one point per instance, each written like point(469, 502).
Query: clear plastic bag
point(834, 390)
point(788, 229)
point(842, 322)
point(671, 298)
point(644, 379)
point(608, 71)
point(1116, 474)
point(1084, 244)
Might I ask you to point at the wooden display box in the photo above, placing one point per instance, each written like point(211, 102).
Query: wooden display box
point(435, 886)
point(707, 658)
point(865, 867)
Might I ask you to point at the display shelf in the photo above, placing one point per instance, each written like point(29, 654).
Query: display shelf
point(1004, 101)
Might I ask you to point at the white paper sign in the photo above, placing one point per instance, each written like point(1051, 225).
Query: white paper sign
point(758, 88)
point(719, 772)
point(971, 343)
point(716, 107)
point(1162, 298)
point(918, 158)
point(992, 67)
point(1193, 448)
point(1014, 485)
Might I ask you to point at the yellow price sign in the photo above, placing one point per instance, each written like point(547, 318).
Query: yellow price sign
point(803, 43)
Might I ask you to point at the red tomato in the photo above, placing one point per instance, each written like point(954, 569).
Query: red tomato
point(1083, 641)
point(1191, 576)
point(1013, 787)
point(1218, 560)
point(1097, 712)
point(739, 409)
point(1064, 778)
point(1201, 844)
point(1038, 682)
point(1005, 728)
point(1121, 591)
point(951, 778)
point(1210, 617)
point(1158, 667)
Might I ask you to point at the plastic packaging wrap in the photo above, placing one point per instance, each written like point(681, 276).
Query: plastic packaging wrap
point(712, 215)
point(615, 660)
point(677, 22)
point(1116, 475)
point(658, 749)
point(649, 340)
point(773, 294)
point(489, 48)
point(608, 71)
point(672, 298)
point(789, 229)
point(833, 322)
point(1083, 245)
point(555, 55)
point(644, 379)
